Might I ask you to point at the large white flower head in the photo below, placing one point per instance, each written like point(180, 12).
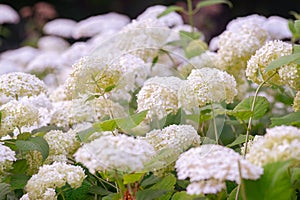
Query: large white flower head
point(53, 176)
point(296, 103)
point(280, 143)
point(8, 15)
point(53, 44)
point(159, 96)
point(60, 27)
point(209, 166)
point(20, 56)
point(61, 144)
point(176, 137)
point(16, 114)
point(170, 20)
point(206, 85)
point(110, 153)
point(237, 45)
point(142, 38)
point(7, 157)
point(290, 74)
point(18, 84)
point(263, 57)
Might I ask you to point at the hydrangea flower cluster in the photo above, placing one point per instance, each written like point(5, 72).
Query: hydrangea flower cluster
point(7, 157)
point(296, 103)
point(159, 96)
point(110, 153)
point(209, 166)
point(280, 143)
point(206, 85)
point(49, 177)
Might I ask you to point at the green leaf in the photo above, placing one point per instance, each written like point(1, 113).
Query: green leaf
point(243, 110)
point(19, 167)
point(183, 196)
point(289, 119)
point(240, 140)
point(24, 136)
point(128, 123)
point(295, 14)
point(205, 3)
point(107, 125)
point(195, 48)
point(292, 27)
point(189, 36)
point(295, 177)
point(110, 88)
point(162, 159)
point(132, 178)
point(4, 190)
point(34, 143)
point(297, 26)
point(166, 183)
point(45, 129)
point(154, 61)
point(150, 194)
point(296, 48)
point(171, 9)
point(99, 190)
point(275, 183)
point(283, 60)
point(149, 181)
point(92, 97)
point(77, 193)
point(85, 134)
point(18, 181)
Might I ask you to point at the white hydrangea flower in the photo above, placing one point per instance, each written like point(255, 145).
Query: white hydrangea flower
point(176, 137)
point(50, 177)
point(170, 20)
point(8, 15)
point(60, 27)
point(98, 24)
point(61, 144)
point(7, 157)
point(206, 59)
point(119, 152)
point(19, 84)
point(253, 19)
point(206, 85)
point(237, 45)
point(20, 56)
point(296, 103)
point(16, 114)
point(277, 27)
point(159, 96)
point(290, 74)
point(209, 166)
point(74, 53)
point(280, 143)
point(263, 57)
point(52, 43)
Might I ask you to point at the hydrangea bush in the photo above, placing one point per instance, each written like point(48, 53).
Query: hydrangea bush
point(145, 109)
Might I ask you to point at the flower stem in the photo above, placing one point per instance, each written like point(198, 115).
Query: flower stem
point(214, 123)
point(190, 13)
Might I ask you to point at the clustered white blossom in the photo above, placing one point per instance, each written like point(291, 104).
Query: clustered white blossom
point(159, 96)
point(209, 166)
point(49, 177)
point(110, 153)
point(8, 14)
point(263, 57)
point(206, 85)
point(7, 157)
point(296, 103)
point(280, 143)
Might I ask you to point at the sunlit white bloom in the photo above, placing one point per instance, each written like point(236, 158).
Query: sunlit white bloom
point(16, 114)
point(206, 85)
point(214, 44)
point(8, 66)
point(249, 20)
point(18, 84)
point(159, 96)
point(7, 157)
point(277, 27)
point(8, 15)
point(290, 75)
point(52, 43)
point(263, 57)
point(20, 56)
point(296, 103)
point(100, 23)
point(74, 53)
point(172, 19)
point(280, 143)
point(206, 59)
point(53, 176)
point(209, 166)
point(109, 153)
point(60, 27)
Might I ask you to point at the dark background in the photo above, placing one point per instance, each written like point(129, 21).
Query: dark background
point(211, 21)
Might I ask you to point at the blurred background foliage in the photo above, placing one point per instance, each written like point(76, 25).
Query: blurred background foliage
point(211, 20)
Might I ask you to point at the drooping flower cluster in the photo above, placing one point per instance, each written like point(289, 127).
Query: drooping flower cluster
point(206, 85)
point(159, 96)
point(296, 103)
point(110, 153)
point(280, 143)
point(53, 176)
point(209, 166)
point(263, 57)
point(7, 157)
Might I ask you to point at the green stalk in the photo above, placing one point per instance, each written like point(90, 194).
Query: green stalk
point(190, 13)
point(214, 123)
